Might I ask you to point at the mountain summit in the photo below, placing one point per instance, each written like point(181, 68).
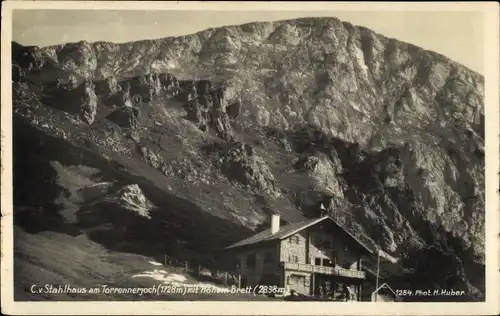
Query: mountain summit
point(218, 129)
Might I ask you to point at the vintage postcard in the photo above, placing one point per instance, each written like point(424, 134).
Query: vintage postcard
point(250, 158)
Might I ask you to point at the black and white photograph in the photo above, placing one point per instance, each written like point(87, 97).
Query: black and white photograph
point(235, 153)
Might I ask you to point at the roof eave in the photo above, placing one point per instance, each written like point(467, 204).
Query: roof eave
point(304, 227)
point(368, 250)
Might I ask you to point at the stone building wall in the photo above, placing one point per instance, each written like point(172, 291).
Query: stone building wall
point(294, 248)
point(258, 263)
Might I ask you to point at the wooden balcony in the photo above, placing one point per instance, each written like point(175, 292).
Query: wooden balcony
point(337, 271)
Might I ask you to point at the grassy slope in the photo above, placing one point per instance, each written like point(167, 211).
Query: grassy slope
point(55, 258)
point(59, 259)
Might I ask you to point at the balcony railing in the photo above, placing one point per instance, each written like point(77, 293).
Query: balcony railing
point(301, 267)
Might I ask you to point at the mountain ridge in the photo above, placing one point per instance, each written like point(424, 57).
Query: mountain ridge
point(284, 116)
point(252, 23)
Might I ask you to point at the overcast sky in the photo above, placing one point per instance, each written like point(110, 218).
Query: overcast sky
point(457, 35)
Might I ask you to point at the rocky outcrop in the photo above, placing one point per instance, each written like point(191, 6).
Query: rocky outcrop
point(233, 110)
point(152, 158)
point(29, 59)
point(240, 162)
point(148, 86)
point(207, 108)
point(80, 100)
point(121, 213)
point(126, 117)
point(325, 173)
point(139, 87)
point(133, 91)
point(88, 102)
point(107, 87)
point(131, 198)
point(169, 84)
point(77, 57)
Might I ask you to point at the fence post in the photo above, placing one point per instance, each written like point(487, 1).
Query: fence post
point(239, 281)
point(186, 267)
point(166, 260)
point(225, 278)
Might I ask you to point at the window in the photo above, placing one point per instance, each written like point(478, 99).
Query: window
point(293, 258)
point(328, 263)
point(317, 261)
point(294, 239)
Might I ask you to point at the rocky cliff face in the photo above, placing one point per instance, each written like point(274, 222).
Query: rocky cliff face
point(280, 116)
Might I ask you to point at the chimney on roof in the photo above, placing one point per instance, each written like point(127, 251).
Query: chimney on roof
point(275, 223)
